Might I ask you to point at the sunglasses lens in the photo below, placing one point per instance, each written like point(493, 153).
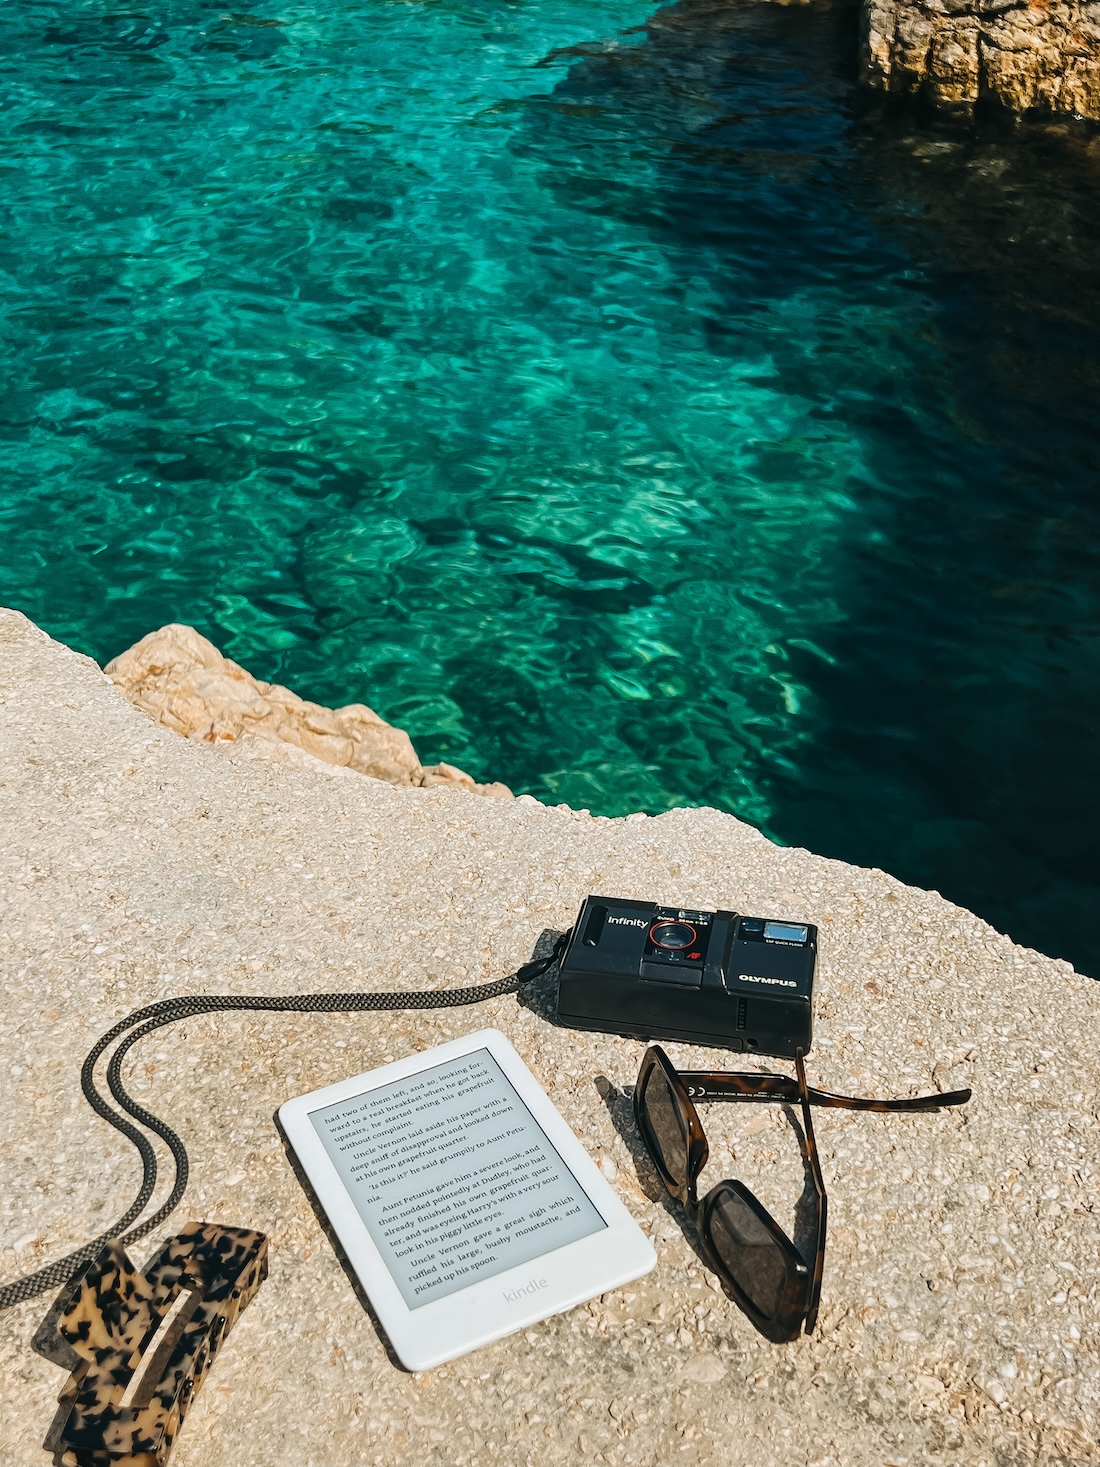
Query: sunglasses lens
point(751, 1256)
point(667, 1130)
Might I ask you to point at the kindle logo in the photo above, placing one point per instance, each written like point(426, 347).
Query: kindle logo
point(532, 1286)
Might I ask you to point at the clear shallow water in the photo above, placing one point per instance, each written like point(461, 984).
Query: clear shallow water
point(606, 396)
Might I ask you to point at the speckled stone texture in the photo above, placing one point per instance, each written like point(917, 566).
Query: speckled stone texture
point(959, 1319)
point(1042, 54)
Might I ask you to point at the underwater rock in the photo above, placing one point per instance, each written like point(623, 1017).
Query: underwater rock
point(183, 681)
point(1026, 54)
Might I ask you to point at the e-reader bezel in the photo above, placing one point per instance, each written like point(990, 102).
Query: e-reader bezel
point(480, 1313)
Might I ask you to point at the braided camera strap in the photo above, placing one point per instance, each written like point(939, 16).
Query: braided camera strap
point(144, 1021)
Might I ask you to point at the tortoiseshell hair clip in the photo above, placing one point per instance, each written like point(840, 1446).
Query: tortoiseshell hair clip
point(139, 1344)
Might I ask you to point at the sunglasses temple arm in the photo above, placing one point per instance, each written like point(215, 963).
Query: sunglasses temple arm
point(822, 1199)
point(913, 1103)
point(707, 1085)
point(934, 1102)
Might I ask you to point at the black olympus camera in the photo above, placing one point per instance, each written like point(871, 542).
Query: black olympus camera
point(718, 978)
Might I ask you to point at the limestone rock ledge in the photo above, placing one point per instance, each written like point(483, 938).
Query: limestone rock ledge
point(1025, 53)
point(183, 681)
point(960, 1322)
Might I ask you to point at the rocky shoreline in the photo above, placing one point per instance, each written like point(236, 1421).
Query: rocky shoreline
point(1025, 54)
point(960, 1307)
point(181, 680)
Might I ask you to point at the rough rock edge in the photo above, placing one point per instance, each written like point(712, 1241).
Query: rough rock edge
point(1026, 54)
point(182, 681)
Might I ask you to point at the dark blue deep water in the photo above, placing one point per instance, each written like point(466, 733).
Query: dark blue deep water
point(617, 399)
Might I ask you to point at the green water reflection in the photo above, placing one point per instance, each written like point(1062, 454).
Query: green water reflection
point(570, 383)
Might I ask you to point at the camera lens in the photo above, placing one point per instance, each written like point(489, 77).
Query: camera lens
point(675, 935)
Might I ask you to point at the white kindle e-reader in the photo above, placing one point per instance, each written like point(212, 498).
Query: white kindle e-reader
point(462, 1200)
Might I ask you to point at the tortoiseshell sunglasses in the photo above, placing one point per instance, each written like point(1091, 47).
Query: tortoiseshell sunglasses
point(759, 1266)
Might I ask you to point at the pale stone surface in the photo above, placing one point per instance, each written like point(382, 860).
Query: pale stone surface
point(1025, 53)
point(183, 681)
point(959, 1321)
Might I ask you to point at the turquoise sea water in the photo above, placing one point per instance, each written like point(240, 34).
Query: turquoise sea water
point(611, 397)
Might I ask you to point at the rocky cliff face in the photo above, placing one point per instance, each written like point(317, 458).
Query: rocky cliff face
point(1025, 53)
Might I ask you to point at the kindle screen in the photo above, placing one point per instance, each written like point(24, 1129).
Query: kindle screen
point(453, 1177)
